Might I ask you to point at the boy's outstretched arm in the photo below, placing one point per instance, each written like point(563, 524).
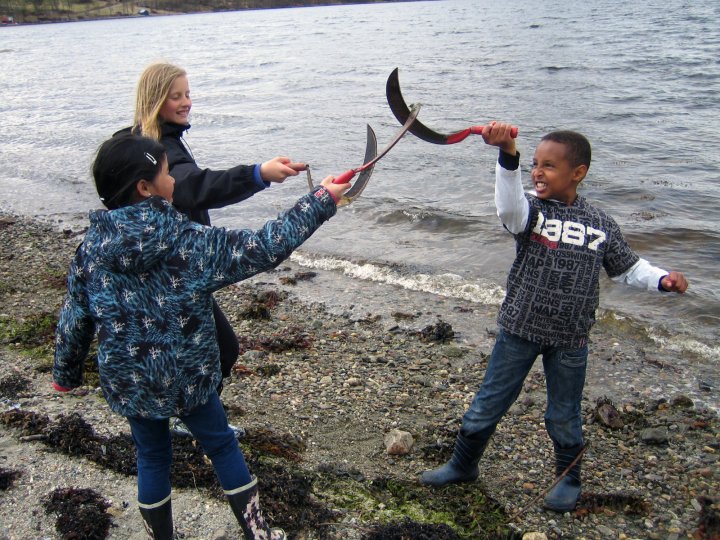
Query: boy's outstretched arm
point(674, 282)
point(644, 275)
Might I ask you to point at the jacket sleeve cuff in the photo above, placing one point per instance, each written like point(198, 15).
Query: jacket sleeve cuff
point(508, 161)
point(321, 192)
point(660, 285)
point(59, 388)
point(262, 184)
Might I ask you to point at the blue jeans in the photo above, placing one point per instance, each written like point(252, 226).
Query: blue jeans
point(208, 424)
point(510, 362)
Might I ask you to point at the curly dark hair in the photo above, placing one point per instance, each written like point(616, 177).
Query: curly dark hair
point(578, 147)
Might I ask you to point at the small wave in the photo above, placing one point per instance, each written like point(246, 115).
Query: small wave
point(429, 220)
point(447, 285)
point(684, 344)
point(677, 342)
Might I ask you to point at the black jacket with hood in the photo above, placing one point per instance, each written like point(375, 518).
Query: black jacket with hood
point(199, 190)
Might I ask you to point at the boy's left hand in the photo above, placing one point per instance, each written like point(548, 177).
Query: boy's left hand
point(674, 282)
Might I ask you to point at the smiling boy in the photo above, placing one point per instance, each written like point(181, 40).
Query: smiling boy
point(562, 245)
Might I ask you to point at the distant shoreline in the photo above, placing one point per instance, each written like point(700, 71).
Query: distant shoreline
point(52, 18)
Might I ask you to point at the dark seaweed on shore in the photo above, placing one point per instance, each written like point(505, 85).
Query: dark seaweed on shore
point(81, 513)
point(7, 478)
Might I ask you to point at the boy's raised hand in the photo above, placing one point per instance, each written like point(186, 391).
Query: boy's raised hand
point(500, 134)
point(674, 282)
point(335, 190)
point(279, 168)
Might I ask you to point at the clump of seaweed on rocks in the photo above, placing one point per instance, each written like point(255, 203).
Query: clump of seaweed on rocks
point(709, 525)
point(7, 478)
point(299, 276)
point(287, 496)
point(27, 422)
point(440, 332)
point(72, 435)
point(261, 304)
point(441, 445)
point(471, 510)
point(14, 385)
point(33, 331)
point(411, 530)
point(289, 338)
point(285, 445)
point(81, 513)
point(628, 503)
point(607, 414)
point(268, 370)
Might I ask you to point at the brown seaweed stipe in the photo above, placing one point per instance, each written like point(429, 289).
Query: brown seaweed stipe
point(81, 513)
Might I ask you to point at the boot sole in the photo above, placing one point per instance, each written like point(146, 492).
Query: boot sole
point(560, 509)
point(460, 481)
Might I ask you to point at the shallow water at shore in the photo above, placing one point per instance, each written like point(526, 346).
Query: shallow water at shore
point(639, 79)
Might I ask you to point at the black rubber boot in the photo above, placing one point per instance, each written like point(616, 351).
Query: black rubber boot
point(462, 466)
point(245, 504)
point(158, 520)
point(564, 496)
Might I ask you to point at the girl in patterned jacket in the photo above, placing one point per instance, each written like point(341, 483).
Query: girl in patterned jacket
point(162, 112)
point(142, 281)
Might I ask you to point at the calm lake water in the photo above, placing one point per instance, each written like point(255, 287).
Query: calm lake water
point(641, 79)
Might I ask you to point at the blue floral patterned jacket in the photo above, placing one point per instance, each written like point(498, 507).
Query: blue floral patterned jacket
point(142, 281)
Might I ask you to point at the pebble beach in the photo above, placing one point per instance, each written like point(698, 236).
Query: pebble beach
point(328, 378)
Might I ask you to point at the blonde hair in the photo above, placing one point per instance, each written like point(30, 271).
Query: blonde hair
point(153, 88)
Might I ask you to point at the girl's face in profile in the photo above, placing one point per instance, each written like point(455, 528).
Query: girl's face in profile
point(163, 184)
point(176, 108)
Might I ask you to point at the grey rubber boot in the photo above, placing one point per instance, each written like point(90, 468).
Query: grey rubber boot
point(245, 504)
point(462, 466)
point(158, 520)
point(564, 496)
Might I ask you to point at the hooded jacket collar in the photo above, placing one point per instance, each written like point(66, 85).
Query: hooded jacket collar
point(174, 130)
point(133, 238)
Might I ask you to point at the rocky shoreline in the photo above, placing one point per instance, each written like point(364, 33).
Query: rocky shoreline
point(319, 387)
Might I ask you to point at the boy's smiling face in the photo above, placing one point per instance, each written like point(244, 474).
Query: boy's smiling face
point(553, 176)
